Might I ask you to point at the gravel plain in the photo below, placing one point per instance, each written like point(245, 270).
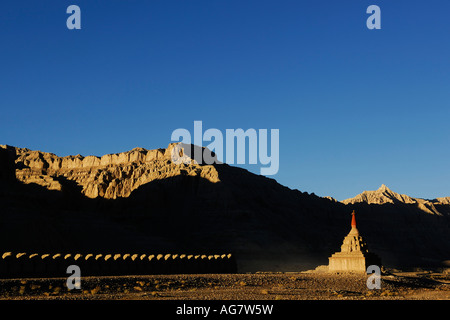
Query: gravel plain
point(255, 286)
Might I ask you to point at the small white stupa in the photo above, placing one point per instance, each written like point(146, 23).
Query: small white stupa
point(354, 255)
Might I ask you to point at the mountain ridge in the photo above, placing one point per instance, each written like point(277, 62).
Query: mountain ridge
point(385, 195)
point(49, 164)
point(139, 201)
point(109, 176)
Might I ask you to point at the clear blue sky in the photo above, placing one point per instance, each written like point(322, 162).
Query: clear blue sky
point(355, 107)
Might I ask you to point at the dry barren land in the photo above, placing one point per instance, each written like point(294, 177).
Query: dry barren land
point(258, 286)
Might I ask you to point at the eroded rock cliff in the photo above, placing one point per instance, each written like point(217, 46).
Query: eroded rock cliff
point(110, 176)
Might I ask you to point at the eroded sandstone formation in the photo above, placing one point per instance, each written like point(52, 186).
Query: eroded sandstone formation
point(110, 176)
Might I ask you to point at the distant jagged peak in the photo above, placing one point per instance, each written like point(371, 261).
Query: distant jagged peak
point(443, 200)
point(384, 190)
point(380, 196)
point(385, 195)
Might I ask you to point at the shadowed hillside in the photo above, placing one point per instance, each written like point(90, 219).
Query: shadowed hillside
point(139, 201)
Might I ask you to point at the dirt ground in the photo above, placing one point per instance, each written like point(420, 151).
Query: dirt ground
point(258, 286)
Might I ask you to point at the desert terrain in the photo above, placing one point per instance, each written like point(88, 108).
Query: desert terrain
point(139, 202)
point(395, 285)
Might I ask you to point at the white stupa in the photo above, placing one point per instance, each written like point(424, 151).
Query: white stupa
point(354, 255)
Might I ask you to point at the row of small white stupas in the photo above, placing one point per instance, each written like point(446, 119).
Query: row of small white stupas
point(55, 265)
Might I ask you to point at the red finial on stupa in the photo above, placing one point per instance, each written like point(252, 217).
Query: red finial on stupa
point(353, 219)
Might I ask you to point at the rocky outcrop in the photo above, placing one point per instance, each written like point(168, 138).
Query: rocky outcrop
point(384, 195)
point(7, 168)
point(380, 196)
point(110, 176)
point(444, 200)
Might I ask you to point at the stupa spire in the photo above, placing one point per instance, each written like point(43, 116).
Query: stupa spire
point(353, 219)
